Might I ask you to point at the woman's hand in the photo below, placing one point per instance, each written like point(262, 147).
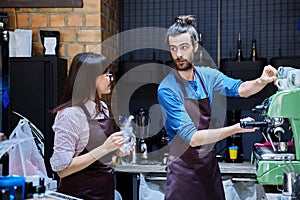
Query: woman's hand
point(120, 153)
point(114, 141)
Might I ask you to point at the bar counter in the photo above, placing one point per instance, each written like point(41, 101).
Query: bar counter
point(128, 176)
point(245, 168)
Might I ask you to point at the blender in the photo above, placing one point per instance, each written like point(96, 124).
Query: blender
point(142, 127)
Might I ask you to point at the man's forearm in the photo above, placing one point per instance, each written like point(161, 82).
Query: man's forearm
point(249, 88)
point(209, 136)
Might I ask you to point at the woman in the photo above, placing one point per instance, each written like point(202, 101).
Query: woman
point(84, 134)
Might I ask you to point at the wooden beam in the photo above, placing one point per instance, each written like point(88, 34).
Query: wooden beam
point(41, 3)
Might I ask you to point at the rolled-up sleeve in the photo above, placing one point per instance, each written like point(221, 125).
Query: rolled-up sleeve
point(67, 139)
point(220, 83)
point(177, 120)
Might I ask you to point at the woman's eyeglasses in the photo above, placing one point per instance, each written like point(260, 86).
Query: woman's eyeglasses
point(110, 76)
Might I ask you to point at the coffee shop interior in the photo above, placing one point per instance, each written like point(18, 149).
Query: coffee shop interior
point(237, 37)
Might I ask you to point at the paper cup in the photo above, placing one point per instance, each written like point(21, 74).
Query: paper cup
point(233, 150)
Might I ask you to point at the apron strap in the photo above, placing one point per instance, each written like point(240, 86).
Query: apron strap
point(86, 112)
point(179, 80)
point(201, 81)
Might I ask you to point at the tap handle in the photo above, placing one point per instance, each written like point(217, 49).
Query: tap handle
point(249, 124)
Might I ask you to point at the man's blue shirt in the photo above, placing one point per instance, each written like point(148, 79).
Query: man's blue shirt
point(171, 98)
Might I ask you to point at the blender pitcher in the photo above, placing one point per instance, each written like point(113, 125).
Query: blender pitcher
point(142, 126)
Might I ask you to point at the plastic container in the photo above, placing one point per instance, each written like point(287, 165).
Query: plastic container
point(129, 136)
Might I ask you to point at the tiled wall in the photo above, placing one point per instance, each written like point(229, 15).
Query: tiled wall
point(273, 23)
point(81, 29)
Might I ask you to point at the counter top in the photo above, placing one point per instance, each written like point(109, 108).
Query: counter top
point(134, 168)
point(237, 168)
point(225, 168)
point(277, 196)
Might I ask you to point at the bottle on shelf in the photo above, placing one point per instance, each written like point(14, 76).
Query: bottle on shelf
point(201, 48)
point(253, 56)
point(200, 39)
point(239, 54)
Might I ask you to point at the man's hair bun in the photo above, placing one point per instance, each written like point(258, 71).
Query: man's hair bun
point(186, 20)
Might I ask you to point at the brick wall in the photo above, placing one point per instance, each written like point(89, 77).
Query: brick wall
point(81, 29)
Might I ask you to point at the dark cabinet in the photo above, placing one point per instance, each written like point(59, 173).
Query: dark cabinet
point(36, 86)
point(238, 108)
point(246, 70)
point(291, 61)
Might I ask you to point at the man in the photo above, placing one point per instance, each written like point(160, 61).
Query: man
point(186, 98)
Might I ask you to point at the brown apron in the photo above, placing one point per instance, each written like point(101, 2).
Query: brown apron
point(193, 172)
point(97, 180)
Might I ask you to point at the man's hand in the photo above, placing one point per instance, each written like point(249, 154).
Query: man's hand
point(269, 75)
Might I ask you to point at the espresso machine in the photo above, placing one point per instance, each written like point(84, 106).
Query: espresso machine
point(275, 158)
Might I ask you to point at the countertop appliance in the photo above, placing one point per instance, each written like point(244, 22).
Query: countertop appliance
point(148, 143)
point(271, 160)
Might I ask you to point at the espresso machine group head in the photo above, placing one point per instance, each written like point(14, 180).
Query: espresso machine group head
point(271, 159)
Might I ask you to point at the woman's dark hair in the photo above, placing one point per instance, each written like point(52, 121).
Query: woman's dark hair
point(184, 24)
point(81, 82)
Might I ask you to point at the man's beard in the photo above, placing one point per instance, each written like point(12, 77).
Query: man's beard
point(186, 68)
